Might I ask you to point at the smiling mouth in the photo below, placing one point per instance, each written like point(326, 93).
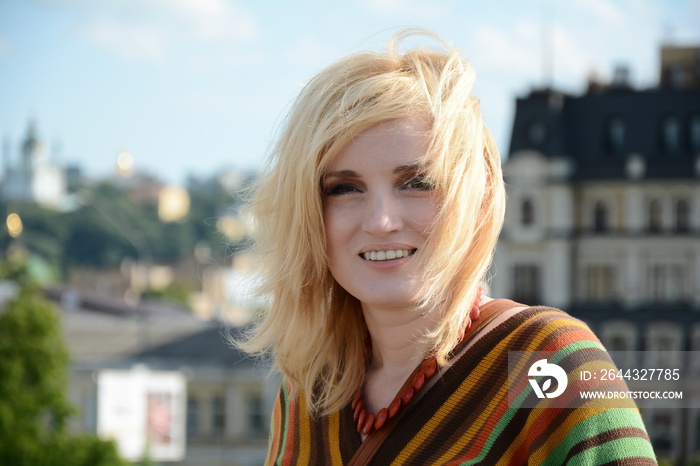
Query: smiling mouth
point(387, 255)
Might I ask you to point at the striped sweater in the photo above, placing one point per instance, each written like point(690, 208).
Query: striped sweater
point(469, 418)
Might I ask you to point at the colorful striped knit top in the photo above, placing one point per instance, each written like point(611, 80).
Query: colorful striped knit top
point(472, 416)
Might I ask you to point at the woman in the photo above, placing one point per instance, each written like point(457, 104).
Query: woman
point(377, 221)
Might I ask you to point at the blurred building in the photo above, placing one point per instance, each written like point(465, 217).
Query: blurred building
point(126, 362)
point(603, 217)
point(35, 176)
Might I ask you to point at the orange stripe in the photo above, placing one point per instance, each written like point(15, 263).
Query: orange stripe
point(465, 388)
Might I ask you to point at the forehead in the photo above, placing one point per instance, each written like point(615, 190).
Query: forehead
point(394, 142)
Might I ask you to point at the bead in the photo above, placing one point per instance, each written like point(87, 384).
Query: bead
point(356, 399)
point(418, 381)
point(394, 407)
point(407, 395)
point(474, 313)
point(361, 420)
point(429, 368)
point(381, 418)
point(369, 424)
point(358, 409)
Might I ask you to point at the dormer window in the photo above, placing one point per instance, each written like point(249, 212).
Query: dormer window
point(671, 134)
point(536, 132)
point(615, 136)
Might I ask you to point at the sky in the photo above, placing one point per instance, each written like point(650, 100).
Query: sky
point(193, 87)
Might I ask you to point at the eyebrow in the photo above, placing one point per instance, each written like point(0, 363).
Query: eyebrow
point(342, 174)
point(399, 170)
point(408, 168)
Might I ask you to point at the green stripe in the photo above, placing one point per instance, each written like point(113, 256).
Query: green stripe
point(283, 447)
point(592, 426)
point(629, 447)
point(573, 347)
point(505, 420)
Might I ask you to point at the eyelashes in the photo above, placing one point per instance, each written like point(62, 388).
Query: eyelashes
point(419, 183)
point(340, 189)
point(416, 183)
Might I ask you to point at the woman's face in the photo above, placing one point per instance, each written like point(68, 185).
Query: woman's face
point(378, 211)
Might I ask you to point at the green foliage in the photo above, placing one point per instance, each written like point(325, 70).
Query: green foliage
point(109, 226)
point(14, 268)
point(33, 378)
point(33, 361)
point(175, 293)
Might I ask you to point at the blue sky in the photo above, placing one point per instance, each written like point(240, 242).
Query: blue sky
point(196, 86)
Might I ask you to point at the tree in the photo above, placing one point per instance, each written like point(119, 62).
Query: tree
point(33, 380)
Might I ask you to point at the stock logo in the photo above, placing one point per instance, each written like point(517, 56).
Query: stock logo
point(549, 371)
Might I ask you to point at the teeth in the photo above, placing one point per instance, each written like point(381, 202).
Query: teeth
point(387, 255)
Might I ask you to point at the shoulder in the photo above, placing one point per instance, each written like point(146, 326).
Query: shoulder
point(548, 326)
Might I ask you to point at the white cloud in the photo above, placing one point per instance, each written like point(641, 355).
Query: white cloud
point(129, 41)
point(138, 29)
point(604, 11)
point(503, 49)
point(519, 54)
point(214, 19)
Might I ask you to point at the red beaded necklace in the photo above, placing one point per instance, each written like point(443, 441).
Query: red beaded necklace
point(367, 422)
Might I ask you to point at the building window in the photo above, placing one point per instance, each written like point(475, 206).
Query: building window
point(671, 134)
point(661, 433)
point(600, 217)
point(682, 216)
point(218, 416)
point(600, 280)
point(256, 416)
point(536, 132)
point(615, 136)
point(526, 284)
point(192, 417)
point(527, 212)
point(695, 133)
point(654, 223)
point(618, 343)
point(667, 283)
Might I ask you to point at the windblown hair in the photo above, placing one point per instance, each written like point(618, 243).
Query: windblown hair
point(314, 330)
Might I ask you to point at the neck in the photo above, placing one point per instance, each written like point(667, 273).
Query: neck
point(397, 338)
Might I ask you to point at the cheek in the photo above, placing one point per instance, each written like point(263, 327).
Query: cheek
point(424, 214)
point(336, 230)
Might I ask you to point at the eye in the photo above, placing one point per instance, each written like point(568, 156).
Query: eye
point(419, 183)
point(340, 189)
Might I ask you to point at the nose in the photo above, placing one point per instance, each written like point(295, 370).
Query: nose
point(384, 215)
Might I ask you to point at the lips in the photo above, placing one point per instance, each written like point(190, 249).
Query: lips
point(385, 255)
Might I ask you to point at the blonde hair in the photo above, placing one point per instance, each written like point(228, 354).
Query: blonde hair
point(314, 329)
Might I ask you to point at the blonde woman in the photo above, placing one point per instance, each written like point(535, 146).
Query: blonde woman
point(377, 219)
